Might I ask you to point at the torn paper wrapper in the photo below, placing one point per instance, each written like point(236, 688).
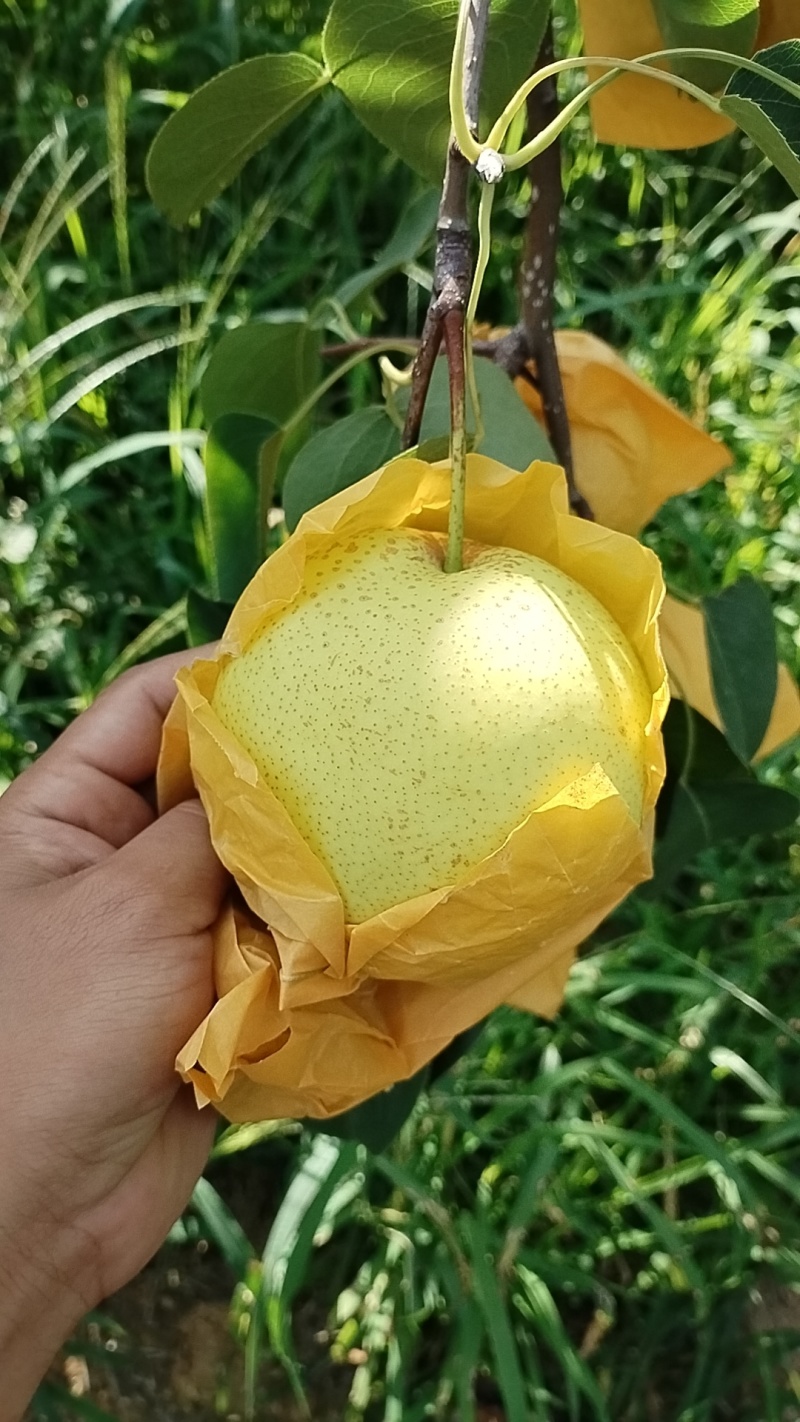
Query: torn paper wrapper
point(315, 1014)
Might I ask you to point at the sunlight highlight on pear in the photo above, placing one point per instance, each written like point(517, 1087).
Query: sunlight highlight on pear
point(409, 720)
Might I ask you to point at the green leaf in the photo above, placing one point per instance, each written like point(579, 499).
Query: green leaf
point(223, 1228)
point(729, 25)
point(336, 458)
point(265, 368)
point(206, 618)
point(291, 1238)
point(239, 478)
point(768, 113)
point(392, 63)
point(706, 813)
point(578, 1377)
point(405, 244)
point(496, 1318)
point(740, 633)
point(512, 434)
point(376, 1122)
point(710, 796)
point(695, 750)
point(205, 145)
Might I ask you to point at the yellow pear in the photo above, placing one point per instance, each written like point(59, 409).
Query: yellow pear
point(409, 719)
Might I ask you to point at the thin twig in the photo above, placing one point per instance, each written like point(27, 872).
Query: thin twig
point(452, 273)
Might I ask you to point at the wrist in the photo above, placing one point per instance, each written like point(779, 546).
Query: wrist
point(43, 1295)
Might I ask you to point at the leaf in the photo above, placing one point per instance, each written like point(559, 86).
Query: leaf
point(223, 1228)
point(710, 797)
point(291, 1238)
point(206, 619)
point(767, 113)
point(577, 1376)
point(493, 1306)
point(740, 633)
point(705, 814)
point(169, 625)
point(512, 434)
point(376, 1122)
point(405, 244)
point(265, 368)
point(238, 496)
point(696, 750)
point(687, 1128)
point(392, 63)
point(336, 458)
point(451, 1055)
point(205, 145)
point(730, 25)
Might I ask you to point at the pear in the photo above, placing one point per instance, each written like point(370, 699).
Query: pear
point(410, 719)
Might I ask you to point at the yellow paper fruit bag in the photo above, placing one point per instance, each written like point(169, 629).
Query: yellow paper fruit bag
point(646, 113)
point(683, 640)
point(315, 1014)
point(633, 450)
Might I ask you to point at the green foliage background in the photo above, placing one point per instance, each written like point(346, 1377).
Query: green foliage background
point(579, 1215)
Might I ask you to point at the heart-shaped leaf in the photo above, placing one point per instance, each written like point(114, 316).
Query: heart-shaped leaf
point(392, 63)
point(336, 458)
point(730, 25)
point(240, 464)
point(740, 633)
point(205, 145)
point(265, 368)
point(769, 113)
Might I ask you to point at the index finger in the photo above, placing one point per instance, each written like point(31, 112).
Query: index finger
point(120, 734)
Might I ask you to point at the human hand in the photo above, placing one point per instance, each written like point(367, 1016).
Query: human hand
point(105, 970)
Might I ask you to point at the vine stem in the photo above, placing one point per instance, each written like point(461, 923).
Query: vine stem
point(452, 274)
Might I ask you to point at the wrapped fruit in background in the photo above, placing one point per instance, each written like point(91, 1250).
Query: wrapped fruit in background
point(646, 113)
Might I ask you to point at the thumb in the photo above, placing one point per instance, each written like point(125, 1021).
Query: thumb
point(174, 861)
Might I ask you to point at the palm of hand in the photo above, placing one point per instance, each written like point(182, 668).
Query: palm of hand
point(105, 964)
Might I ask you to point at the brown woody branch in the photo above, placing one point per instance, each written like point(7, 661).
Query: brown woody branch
point(533, 340)
point(452, 271)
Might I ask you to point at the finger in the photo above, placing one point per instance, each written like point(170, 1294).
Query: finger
point(84, 779)
point(120, 734)
point(172, 866)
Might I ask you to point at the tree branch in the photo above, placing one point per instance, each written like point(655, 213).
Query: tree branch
point(534, 338)
point(452, 271)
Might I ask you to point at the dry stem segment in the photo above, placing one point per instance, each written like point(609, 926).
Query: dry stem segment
point(534, 338)
point(452, 273)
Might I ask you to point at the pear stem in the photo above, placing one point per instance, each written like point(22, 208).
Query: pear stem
point(454, 336)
